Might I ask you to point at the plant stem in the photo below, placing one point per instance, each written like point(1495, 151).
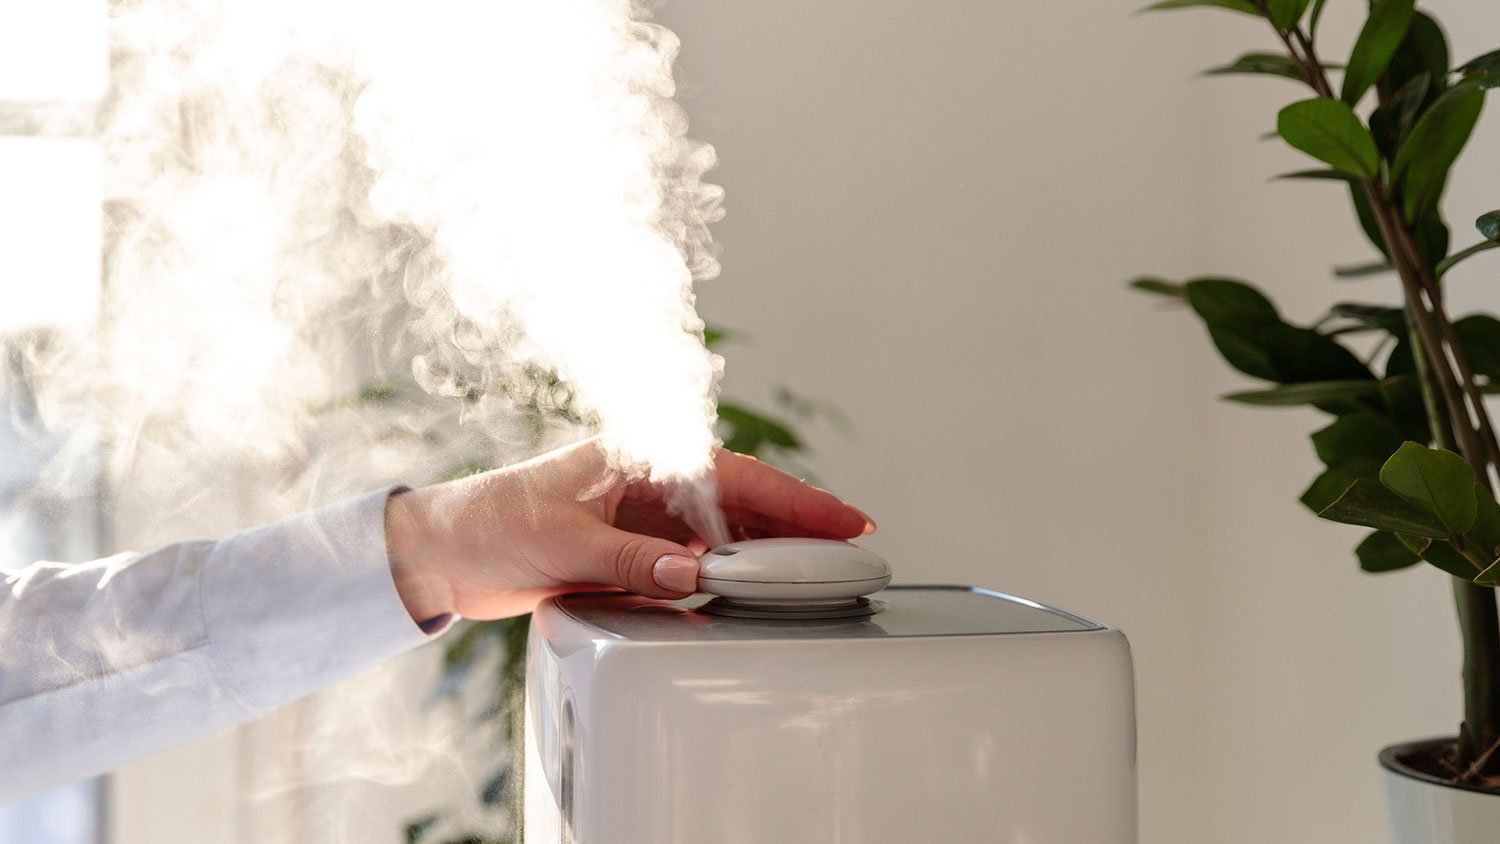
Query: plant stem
point(1393, 231)
point(1477, 621)
point(1428, 280)
point(1452, 426)
point(1477, 614)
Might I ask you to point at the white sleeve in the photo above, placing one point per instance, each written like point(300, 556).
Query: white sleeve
point(106, 661)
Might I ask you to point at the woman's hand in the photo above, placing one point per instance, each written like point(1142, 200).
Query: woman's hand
point(493, 545)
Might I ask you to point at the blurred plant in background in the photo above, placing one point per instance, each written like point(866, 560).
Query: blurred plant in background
point(1423, 376)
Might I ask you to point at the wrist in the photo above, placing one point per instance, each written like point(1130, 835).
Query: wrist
point(408, 540)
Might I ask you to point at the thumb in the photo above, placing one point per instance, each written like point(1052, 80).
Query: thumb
point(642, 564)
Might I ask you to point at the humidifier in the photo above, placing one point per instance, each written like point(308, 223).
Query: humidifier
point(801, 699)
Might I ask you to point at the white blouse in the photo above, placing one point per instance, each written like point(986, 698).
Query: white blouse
point(106, 661)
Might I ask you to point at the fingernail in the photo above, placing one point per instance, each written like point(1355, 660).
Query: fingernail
point(869, 522)
point(676, 573)
point(869, 528)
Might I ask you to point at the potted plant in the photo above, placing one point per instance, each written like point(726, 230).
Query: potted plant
point(1410, 449)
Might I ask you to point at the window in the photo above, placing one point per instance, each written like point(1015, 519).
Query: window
point(53, 69)
point(66, 816)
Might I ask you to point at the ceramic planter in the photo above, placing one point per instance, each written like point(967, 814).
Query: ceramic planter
point(1425, 809)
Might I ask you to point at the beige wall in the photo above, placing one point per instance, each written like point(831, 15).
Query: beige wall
point(932, 208)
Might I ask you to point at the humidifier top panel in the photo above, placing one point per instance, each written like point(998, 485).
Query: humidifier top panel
point(903, 611)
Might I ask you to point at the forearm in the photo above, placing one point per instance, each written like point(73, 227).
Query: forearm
point(102, 662)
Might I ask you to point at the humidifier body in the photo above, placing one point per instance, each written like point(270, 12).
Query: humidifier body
point(951, 714)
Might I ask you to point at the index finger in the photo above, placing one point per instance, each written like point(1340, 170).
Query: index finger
point(749, 484)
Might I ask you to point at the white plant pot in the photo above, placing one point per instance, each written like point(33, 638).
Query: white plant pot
point(1425, 809)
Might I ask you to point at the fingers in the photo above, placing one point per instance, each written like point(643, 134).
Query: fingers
point(741, 519)
point(645, 565)
point(748, 485)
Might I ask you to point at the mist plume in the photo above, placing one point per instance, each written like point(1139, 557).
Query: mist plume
point(344, 241)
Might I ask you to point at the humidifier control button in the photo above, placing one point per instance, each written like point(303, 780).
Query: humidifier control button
point(792, 577)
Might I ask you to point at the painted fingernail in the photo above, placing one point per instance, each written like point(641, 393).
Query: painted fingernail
point(676, 573)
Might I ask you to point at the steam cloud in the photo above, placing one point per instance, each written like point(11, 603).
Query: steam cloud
point(304, 196)
point(307, 197)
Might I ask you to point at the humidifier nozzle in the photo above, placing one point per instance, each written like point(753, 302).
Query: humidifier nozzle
point(792, 578)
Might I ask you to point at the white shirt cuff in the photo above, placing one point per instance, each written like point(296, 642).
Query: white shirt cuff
point(300, 604)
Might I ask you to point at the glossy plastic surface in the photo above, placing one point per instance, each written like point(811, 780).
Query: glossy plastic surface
point(792, 570)
point(902, 611)
point(875, 739)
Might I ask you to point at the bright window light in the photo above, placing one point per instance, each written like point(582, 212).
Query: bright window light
point(64, 816)
point(49, 232)
point(53, 50)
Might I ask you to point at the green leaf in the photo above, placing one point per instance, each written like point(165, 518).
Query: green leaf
point(1236, 314)
point(1358, 443)
point(1368, 504)
point(1325, 489)
point(1400, 363)
point(1302, 354)
point(1363, 270)
point(1384, 317)
point(1159, 286)
point(1423, 50)
point(1485, 70)
point(1437, 481)
point(1402, 395)
point(1421, 166)
point(1432, 237)
point(1407, 104)
point(497, 789)
point(1479, 334)
point(1306, 392)
point(1489, 225)
point(1330, 131)
point(379, 392)
point(1484, 536)
point(749, 431)
point(1366, 215)
point(1376, 45)
point(1243, 350)
point(1490, 576)
point(1441, 554)
point(1320, 175)
point(1382, 551)
point(463, 470)
point(1286, 13)
point(1265, 64)
point(1249, 333)
point(1457, 258)
point(1242, 6)
point(1391, 122)
point(714, 336)
point(417, 830)
point(1228, 300)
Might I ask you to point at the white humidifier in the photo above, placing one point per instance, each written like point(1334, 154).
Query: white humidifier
point(805, 701)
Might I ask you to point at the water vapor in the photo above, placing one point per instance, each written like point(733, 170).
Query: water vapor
point(305, 196)
point(351, 243)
